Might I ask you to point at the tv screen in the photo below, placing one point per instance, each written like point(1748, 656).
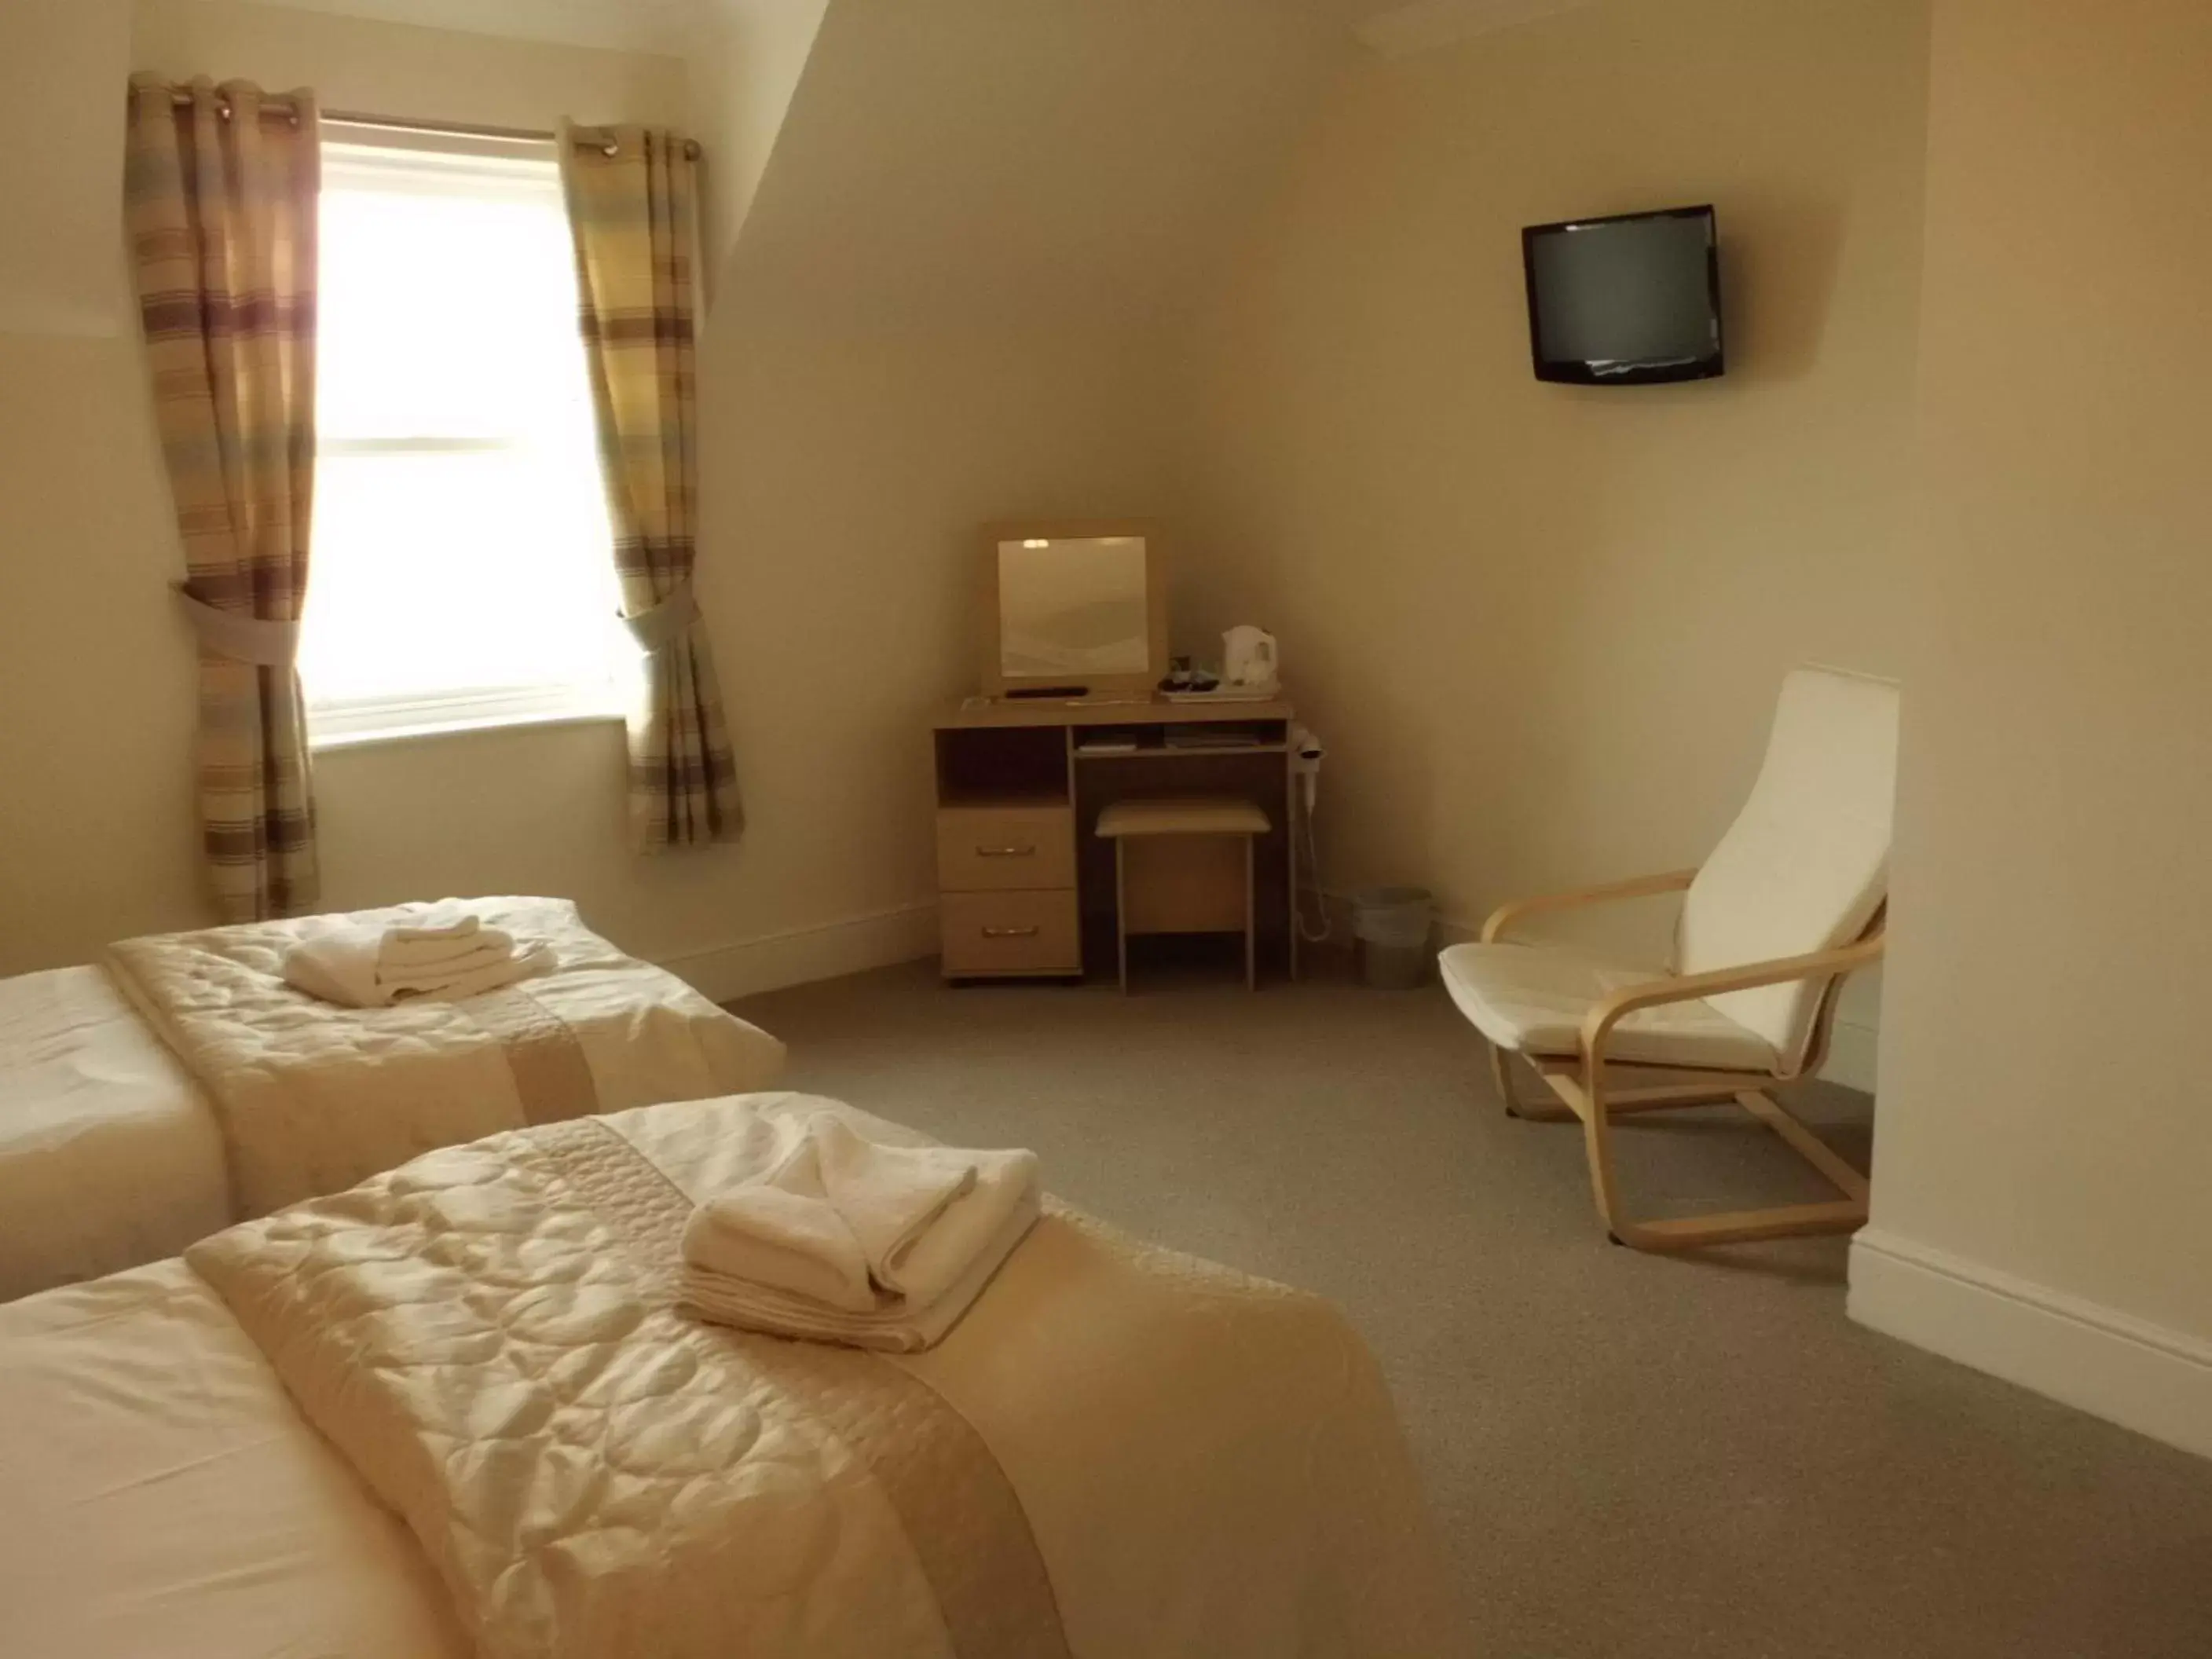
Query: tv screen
point(1626, 300)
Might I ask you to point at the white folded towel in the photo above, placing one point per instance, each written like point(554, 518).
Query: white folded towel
point(841, 1219)
point(444, 937)
point(458, 985)
point(346, 965)
point(848, 1240)
point(446, 920)
point(921, 1213)
point(401, 960)
point(781, 1233)
point(896, 1327)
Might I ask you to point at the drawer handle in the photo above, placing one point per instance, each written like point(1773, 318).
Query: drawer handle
point(1010, 933)
point(1029, 851)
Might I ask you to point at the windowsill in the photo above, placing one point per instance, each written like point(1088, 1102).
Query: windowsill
point(377, 738)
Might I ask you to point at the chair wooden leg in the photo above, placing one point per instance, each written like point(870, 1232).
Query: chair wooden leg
point(1533, 1111)
point(1587, 1100)
point(1501, 1074)
point(1597, 1148)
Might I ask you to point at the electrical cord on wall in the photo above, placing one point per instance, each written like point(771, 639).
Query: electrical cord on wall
point(1319, 934)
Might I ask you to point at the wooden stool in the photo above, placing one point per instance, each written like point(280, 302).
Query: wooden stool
point(1178, 869)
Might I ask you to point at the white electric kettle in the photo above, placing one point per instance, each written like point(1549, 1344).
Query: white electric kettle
point(1247, 661)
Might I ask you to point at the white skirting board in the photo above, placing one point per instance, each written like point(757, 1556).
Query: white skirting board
point(748, 967)
point(2127, 1370)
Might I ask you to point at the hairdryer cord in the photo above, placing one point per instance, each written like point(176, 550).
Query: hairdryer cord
point(1311, 935)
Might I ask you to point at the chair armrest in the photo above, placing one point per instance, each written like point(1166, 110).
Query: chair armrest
point(1671, 881)
point(1598, 1024)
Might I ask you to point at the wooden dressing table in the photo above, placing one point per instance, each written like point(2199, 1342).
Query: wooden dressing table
point(1026, 886)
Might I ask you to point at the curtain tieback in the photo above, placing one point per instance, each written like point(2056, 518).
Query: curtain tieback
point(663, 623)
point(254, 639)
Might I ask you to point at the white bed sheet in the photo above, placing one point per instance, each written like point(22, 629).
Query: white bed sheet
point(162, 1497)
point(108, 1156)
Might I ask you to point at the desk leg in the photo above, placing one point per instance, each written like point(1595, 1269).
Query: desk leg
point(1251, 913)
point(1291, 856)
point(1121, 909)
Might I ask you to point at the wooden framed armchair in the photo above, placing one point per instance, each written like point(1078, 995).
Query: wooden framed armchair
point(1789, 904)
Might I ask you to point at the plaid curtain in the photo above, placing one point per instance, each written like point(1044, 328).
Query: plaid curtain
point(632, 204)
point(220, 201)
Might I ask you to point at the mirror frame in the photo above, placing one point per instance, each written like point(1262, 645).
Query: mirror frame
point(995, 680)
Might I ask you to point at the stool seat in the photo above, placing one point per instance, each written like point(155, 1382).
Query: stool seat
point(1183, 815)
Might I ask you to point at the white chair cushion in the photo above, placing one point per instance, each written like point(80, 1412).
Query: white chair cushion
point(1806, 864)
point(1532, 999)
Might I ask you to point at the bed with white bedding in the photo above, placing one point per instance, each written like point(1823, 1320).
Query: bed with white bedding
point(181, 1085)
point(108, 1157)
point(454, 1411)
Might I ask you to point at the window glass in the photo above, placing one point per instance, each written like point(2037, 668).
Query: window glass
point(462, 571)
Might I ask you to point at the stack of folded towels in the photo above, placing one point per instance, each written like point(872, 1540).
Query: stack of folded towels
point(845, 1240)
point(442, 952)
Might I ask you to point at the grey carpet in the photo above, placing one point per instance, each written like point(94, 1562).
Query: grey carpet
point(1628, 1455)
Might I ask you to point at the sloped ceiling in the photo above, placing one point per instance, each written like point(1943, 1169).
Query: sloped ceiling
point(664, 26)
point(993, 158)
point(987, 159)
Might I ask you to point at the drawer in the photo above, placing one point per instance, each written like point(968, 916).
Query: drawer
point(1010, 933)
point(990, 849)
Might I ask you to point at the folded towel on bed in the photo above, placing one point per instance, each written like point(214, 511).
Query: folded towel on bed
point(782, 1240)
point(401, 959)
point(448, 918)
point(347, 965)
point(897, 1325)
point(843, 1237)
point(921, 1213)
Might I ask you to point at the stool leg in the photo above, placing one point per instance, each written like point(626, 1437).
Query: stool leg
point(1251, 920)
point(1121, 910)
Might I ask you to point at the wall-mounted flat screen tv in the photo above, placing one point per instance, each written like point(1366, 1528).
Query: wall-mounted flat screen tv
point(1626, 300)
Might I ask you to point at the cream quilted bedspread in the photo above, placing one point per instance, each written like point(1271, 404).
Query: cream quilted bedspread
point(313, 1097)
point(1118, 1454)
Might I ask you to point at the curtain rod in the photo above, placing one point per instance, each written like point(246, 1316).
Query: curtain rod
point(596, 137)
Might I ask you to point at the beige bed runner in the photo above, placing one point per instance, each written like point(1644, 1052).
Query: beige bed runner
point(313, 1097)
point(489, 1335)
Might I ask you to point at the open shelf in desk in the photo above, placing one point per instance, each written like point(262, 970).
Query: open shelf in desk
point(1012, 800)
point(1008, 765)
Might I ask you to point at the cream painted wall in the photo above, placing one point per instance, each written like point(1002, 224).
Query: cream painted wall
point(2044, 1112)
point(1542, 627)
point(61, 269)
point(96, 814)
point(89, 765)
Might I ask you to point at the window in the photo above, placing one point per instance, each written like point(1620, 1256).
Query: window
point(462, 570)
